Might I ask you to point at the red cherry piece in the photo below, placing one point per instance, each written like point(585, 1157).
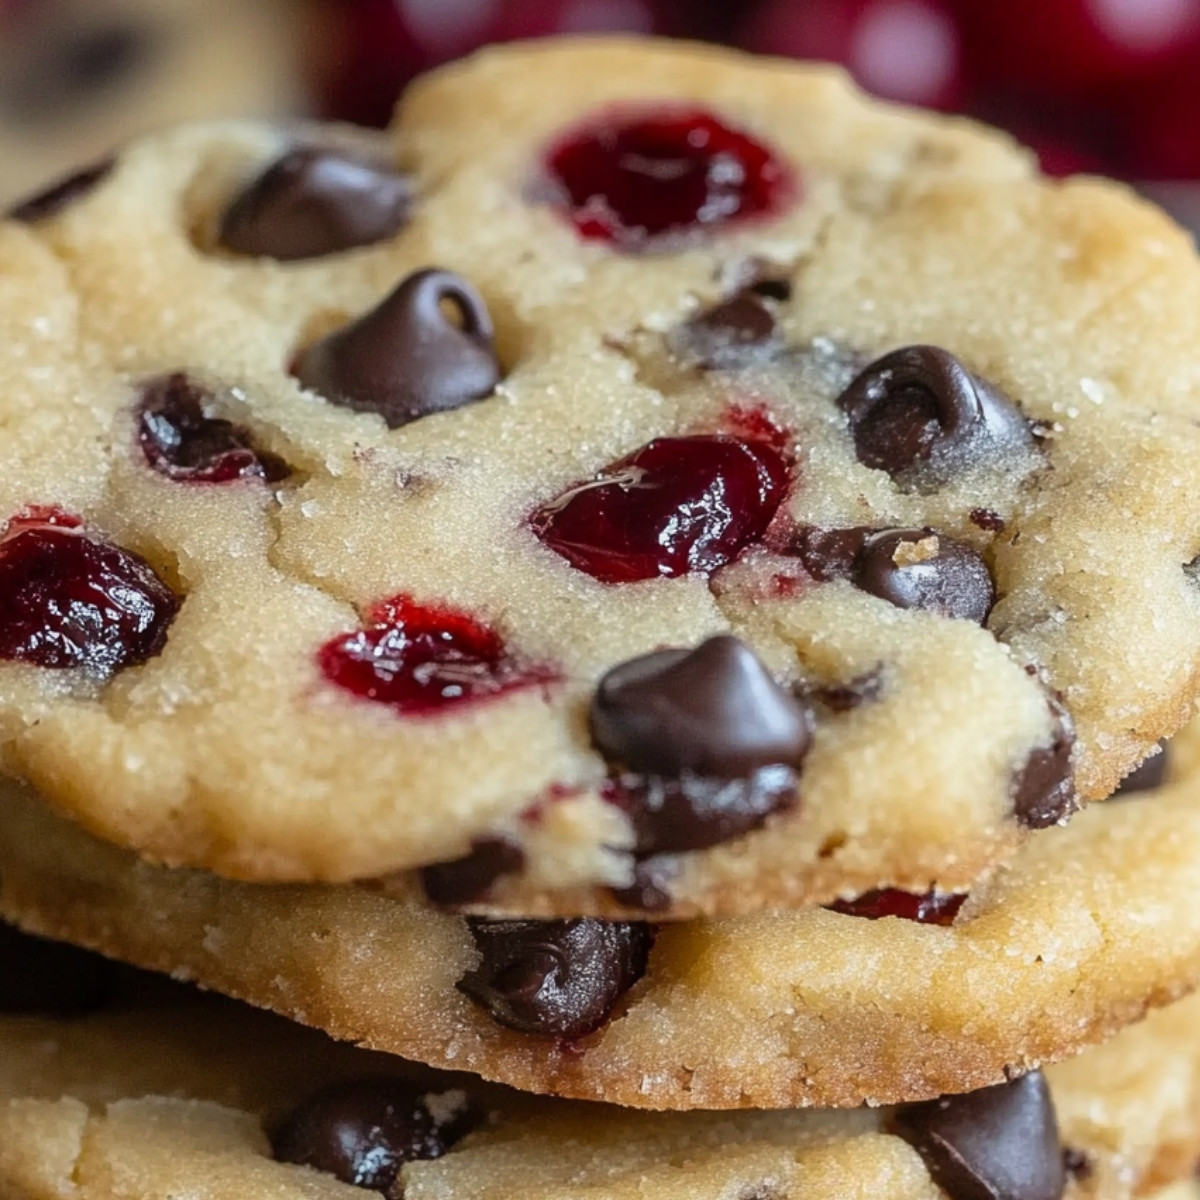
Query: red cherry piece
point(932, 908)
point(68, 599)
point(676, 506)
point(183, 442)
point(635, 180)
point(421, 659)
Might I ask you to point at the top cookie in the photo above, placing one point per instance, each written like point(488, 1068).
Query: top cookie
point(714, 490)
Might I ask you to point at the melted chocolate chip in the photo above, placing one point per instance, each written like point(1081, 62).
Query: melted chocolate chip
point(712, 711)
point(315, 201)
point(737, 332)
point(62, 194)
point(917, 568)
point(407, 357)
point(558, 978)
point(364, 1132)
point(998, 1143)
point(468, 880)
point(1043, 790)
point(44, 978)
point(922, 417)
point(1147, 776)
point(183, 442)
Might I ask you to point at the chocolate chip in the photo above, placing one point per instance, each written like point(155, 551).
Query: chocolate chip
point(407, 358)
point(845, 697)
point(735, 333)
point(44, 978)
point(921, 569)
point(363, 1132)
point(998, 1143)
point(920, 415)
point(315, 201)
point(1147, 776)
point(62, 194)
point(985, 518)
point(829, 553)
point(558, 978)
point(1076, 1163)
point(1043, 790)
point(468, 880)
point(183, 441)
point(650, 890)
point(713, 711)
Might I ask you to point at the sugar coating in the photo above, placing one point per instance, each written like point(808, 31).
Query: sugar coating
point(230, 752)
point(1088, 926)
point(168, 1094)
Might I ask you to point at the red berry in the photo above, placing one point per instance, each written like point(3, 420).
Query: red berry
point(1159, 127)
point(68, 599)
point(906, 50)
point(635, 179)
point(933, 908)
point(421, 659)
point(675, 506)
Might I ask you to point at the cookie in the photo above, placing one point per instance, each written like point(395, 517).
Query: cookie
point(336, 490)
point(79, 76)
point(165, 1093)
point(1089, 926)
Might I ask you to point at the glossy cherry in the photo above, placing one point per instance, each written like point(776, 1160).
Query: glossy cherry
point(932, 908)
point(677, 505)
point(635, 179)
point(423, 659)
point(68, 599)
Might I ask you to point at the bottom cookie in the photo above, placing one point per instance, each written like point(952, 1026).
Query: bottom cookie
point(161, 1092)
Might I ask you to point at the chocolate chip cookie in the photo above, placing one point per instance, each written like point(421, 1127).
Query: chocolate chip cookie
point(720, 491)
point(162, 1093)
point(884, 997)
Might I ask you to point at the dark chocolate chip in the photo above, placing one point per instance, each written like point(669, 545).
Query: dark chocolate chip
point(713, 711)
point(672, 813)
point(845, 697)
point(735, 333)
point(182, 441)
point(829, 553)
point(1147, 776)
point(920, 415)
point(1043, 790)
point(407, 357)
point(468, 880)
point(650, 890)
point(44, 978)
point(985, 518)
point(998, 1143)
point(558, 978)
point(62, 194)
point(921, 569)
point(315, 201)
point(364, 1132)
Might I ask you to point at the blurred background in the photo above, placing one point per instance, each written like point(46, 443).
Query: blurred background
point(1104, 86)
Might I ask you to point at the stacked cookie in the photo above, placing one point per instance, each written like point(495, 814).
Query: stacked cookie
point(626, 598)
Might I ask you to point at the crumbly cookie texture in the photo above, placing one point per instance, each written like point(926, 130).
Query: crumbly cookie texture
point(1088, 927)
point(166, 1093)
point(416, 511)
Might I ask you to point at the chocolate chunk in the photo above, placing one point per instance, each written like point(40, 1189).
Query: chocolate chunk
point(999, 1143)
point(44, 978)
point(921, 569)
point(407, 357)
point(1043, 791)
point(315, 201)
point(735, 333)
point(468, 880)
point(713, 711)
point(558, 978)
point(1147, 776)
point(985, 518)
point(829, 553)
point(183, 442)
point(62, 194)
point(920, 415)
point(364, 1132)
point(672, 813)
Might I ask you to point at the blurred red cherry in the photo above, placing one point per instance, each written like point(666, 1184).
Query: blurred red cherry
point(513, 19)
point(1159, 127)
point(906, 50)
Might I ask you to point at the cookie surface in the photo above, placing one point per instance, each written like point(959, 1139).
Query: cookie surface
point(410, 602)
point(1089, 926)
point(164, 1092)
